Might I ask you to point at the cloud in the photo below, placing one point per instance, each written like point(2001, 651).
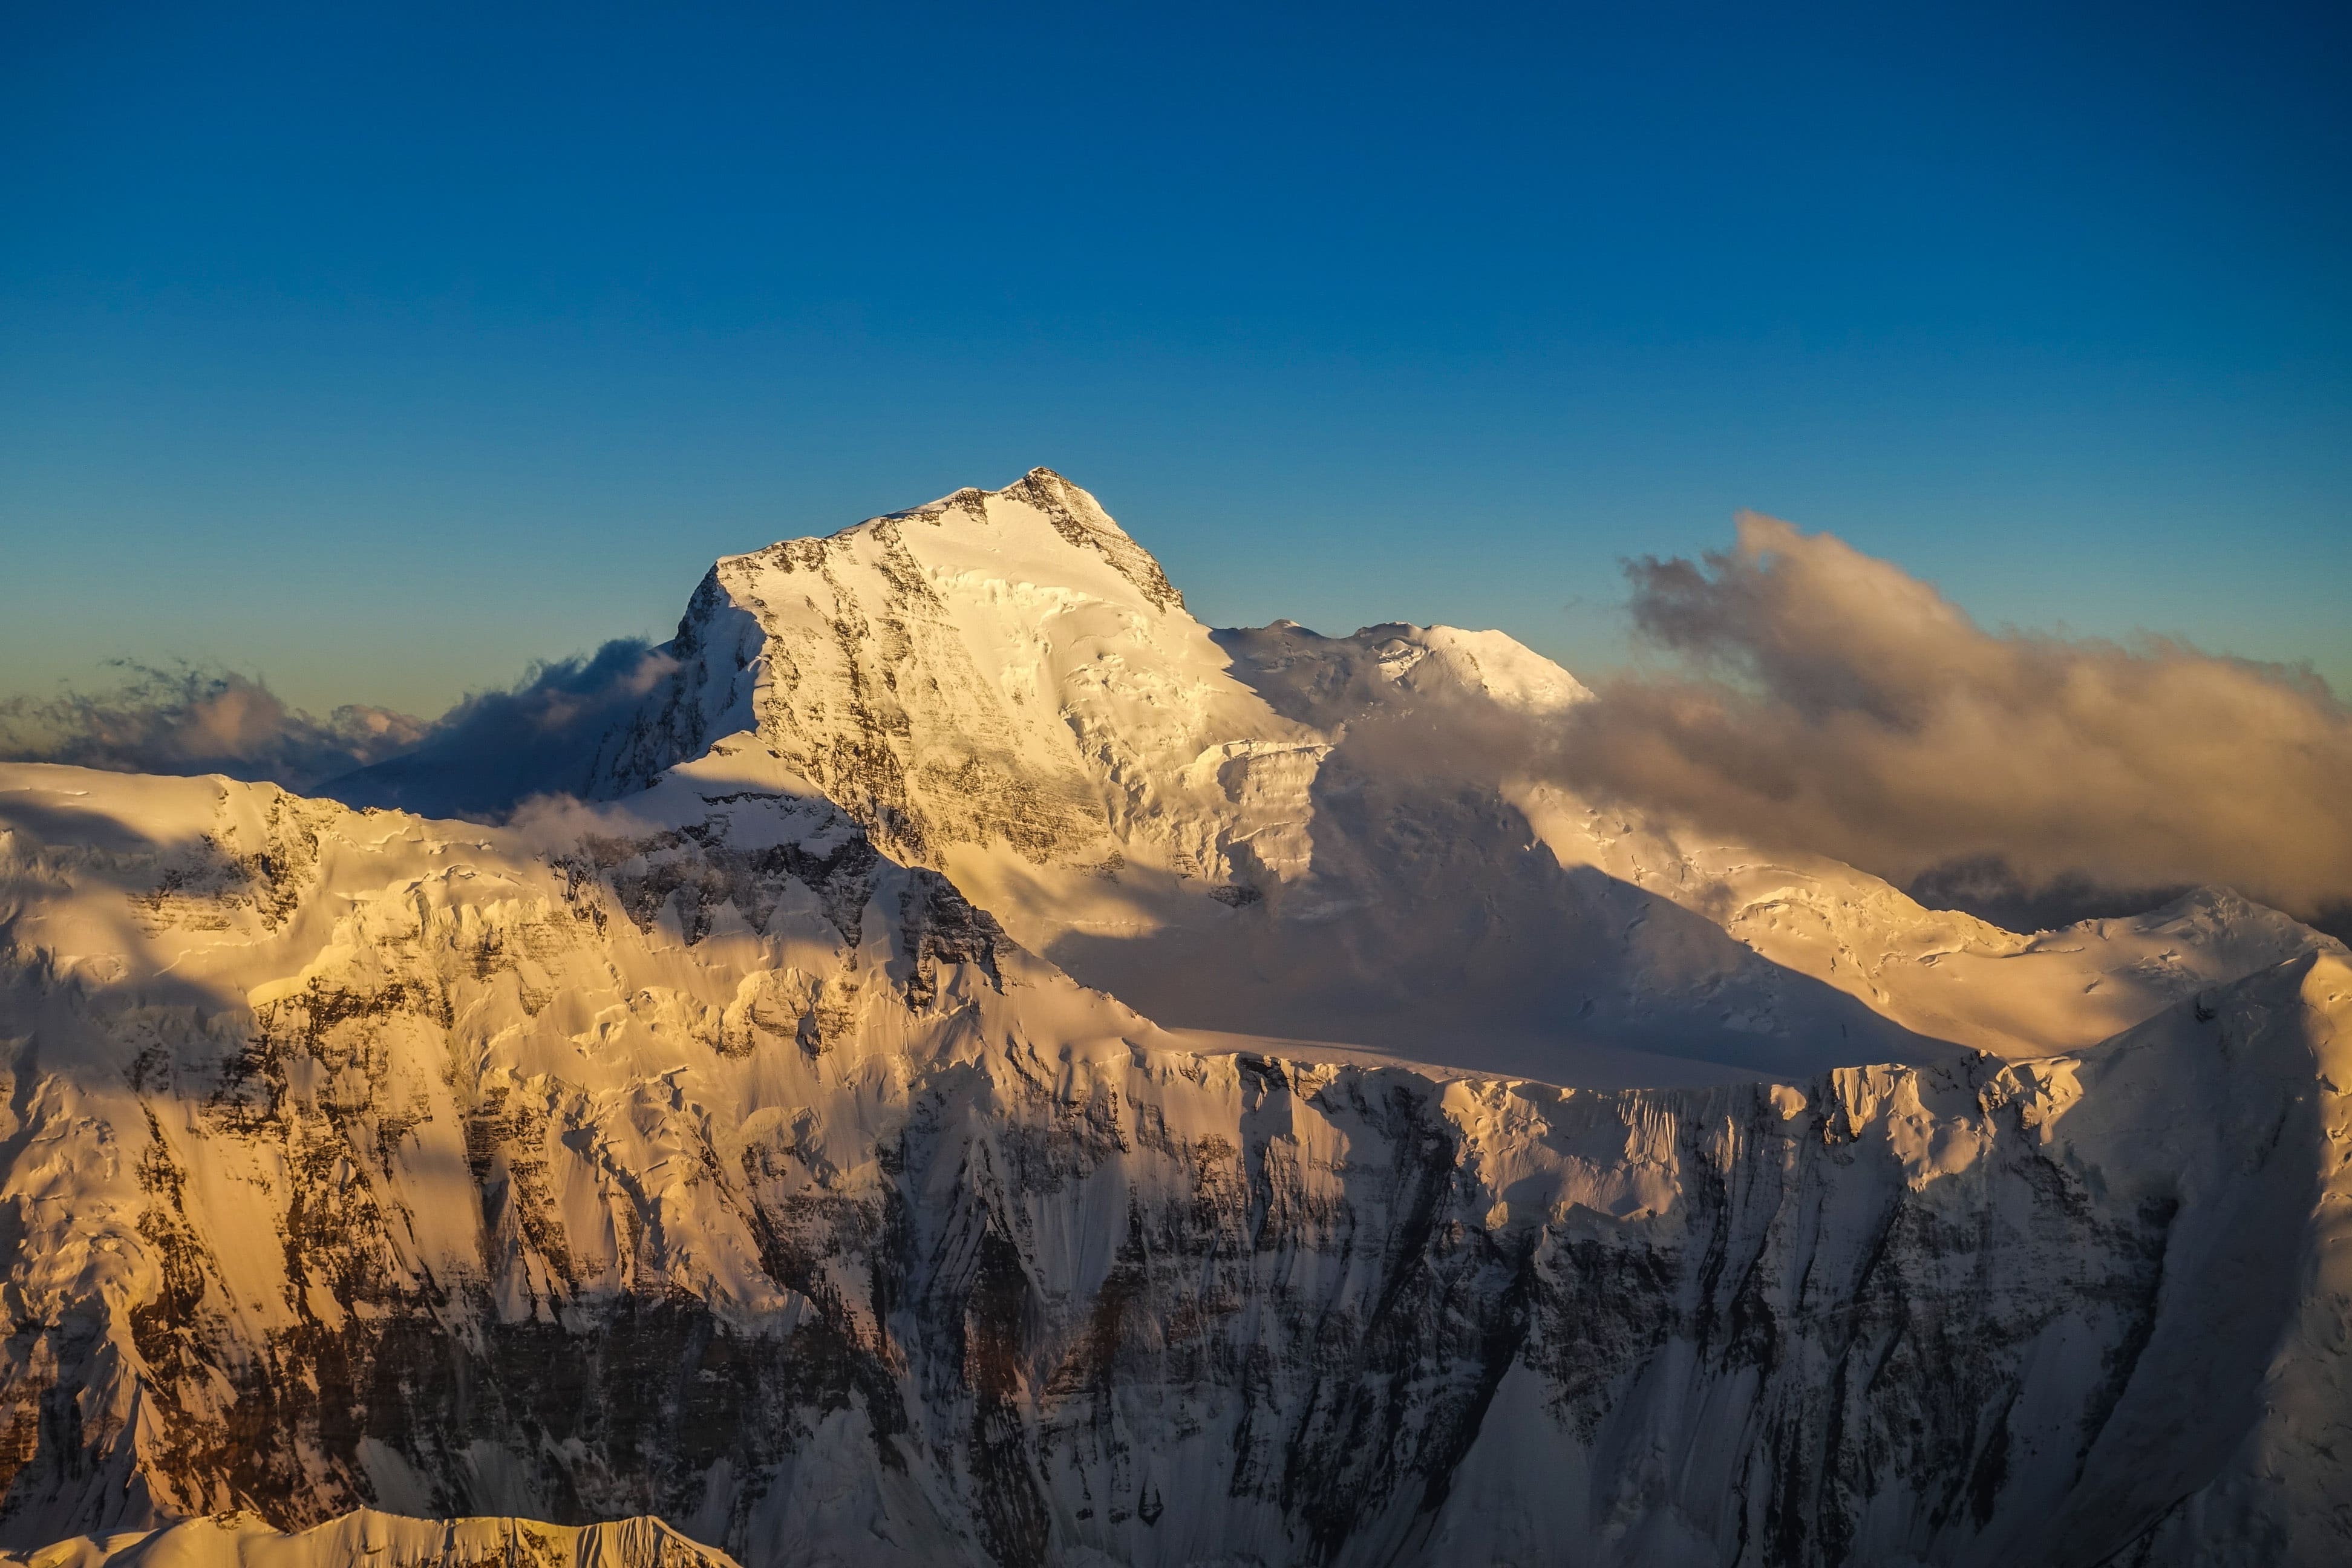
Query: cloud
point(191, 721)
point(497, 748)
point(1829, 701)
point(489, 751)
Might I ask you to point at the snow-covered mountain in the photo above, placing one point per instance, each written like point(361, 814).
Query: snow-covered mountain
point(1343, 832)
point(740, 1149)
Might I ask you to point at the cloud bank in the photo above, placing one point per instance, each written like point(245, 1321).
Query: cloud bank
point(1829, 701)
point(498, 748)
point(488, 751)
point(191, 721)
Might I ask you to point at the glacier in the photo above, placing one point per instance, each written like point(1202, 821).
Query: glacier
point(983, 1069)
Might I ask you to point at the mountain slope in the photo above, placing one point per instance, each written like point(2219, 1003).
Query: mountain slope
point(689, 1156)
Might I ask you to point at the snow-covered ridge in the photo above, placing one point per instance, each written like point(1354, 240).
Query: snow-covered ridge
point(689, 1156)
point(367, 1539)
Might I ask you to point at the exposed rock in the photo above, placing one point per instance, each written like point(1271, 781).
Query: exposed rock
point(436, 1193)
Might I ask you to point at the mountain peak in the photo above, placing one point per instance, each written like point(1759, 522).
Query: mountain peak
point(1073, 513)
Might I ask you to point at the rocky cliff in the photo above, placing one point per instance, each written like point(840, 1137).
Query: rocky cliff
point(690, 1156)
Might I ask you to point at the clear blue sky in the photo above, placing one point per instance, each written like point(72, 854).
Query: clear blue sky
point(381, 349)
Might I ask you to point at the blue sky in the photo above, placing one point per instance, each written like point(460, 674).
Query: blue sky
point(384, 351)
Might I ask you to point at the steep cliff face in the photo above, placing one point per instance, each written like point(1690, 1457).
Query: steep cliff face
point(1003, 668)
point(693, 1156)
